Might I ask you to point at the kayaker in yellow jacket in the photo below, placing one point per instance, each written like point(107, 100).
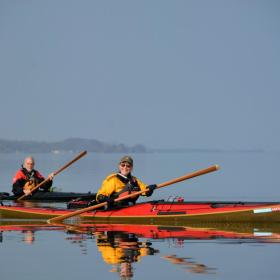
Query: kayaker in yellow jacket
point(122, 183)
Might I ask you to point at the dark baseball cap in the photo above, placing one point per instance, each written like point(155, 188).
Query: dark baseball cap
point(127, 159)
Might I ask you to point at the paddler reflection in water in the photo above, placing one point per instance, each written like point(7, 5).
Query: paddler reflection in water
point(28, 236)
point(121, 249)
point(27, 178)
point(121, 184)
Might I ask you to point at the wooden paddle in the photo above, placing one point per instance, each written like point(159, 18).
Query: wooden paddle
point(173, 181)
point(55, 173)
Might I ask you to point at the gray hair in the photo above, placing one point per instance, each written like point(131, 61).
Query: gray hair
point(29, 157)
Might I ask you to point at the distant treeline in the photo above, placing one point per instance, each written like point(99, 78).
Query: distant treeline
point(68, 145)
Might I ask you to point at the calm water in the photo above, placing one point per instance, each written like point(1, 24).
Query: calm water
point(90, 252)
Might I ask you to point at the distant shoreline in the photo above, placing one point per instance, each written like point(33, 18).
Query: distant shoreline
point(67, 145)
point(74, 145)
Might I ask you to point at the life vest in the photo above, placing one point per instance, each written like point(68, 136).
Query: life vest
point(117, 184)
point(131, 186)
point(32, 178)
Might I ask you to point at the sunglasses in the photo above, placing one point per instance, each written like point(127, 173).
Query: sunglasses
point(125, 165)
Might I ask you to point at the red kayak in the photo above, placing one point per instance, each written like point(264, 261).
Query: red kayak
point(162, 212)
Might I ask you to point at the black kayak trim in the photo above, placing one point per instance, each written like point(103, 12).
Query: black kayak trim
point(50, 196)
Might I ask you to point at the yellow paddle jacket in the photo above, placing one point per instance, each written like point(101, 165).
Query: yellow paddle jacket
point(112, 184)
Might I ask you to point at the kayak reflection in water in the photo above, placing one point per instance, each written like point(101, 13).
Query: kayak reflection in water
point(121, 249)
point(189, 265)
point(122, 183)
point(28, 236)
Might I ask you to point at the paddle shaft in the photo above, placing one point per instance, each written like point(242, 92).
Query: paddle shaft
point(189, 176)
point(55, 173)
point(176, 180)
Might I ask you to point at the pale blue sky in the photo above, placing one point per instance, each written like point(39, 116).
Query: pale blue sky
point(169, 74)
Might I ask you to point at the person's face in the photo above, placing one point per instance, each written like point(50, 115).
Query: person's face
point(29, 164)
point(125, 168)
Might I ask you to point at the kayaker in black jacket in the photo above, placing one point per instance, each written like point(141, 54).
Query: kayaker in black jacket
point(27, 178)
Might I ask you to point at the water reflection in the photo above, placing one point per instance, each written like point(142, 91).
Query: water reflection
point(26, 229)
point(189, 264)
point(121, 250)
point(78, 239)
point(28, 236)
point(122, 246)
point(115, 233)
